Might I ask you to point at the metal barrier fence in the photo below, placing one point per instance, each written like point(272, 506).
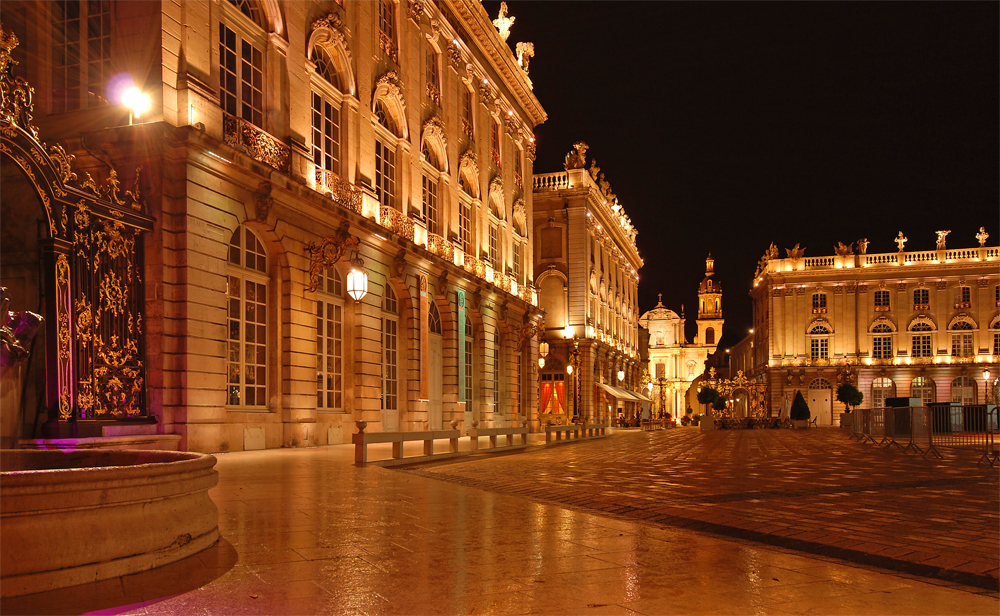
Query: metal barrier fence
point(923, 429)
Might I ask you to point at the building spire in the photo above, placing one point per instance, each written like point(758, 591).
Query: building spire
point(659, 300)
point(709, 265)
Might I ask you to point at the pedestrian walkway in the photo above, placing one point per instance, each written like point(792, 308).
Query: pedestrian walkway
point(307, 532)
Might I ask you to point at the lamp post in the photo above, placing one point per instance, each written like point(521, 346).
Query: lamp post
point(573, 369)
point(136, 102)
point(357, 279)
point(986, 384)
point(543, 352)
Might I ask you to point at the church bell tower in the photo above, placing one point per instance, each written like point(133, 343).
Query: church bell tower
point(709, 307)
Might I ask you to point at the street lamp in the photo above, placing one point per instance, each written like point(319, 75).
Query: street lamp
point(136, 102)
point(357, 279)
point(572, 367)
point(543, 352)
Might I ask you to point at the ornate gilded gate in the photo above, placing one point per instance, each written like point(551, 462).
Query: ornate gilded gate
point(92, 262)
point(756, 394)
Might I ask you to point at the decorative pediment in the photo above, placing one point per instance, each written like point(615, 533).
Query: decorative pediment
point(468, 170)
point(331, 34)
point(520, 218)
point(389, 90)
point(496, 198)
point(433, 134)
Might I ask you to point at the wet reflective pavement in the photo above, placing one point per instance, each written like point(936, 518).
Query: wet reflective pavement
point(306, 532)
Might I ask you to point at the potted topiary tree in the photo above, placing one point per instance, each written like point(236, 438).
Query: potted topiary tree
point(708, 396)
point(799, 413)
point(851, 397)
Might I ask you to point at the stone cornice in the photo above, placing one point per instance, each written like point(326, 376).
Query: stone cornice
point(501, 58)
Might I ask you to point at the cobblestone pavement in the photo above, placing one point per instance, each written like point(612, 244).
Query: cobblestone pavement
point(814, 491)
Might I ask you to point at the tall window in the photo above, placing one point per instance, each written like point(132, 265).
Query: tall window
point(518, 262)
point(819, 303)
point(709, 335)
point(819, 343)
point(923, 388)
point(467, 125)
point(330, 342)
point(390, 358)
point(385, 173)
point(963, 390)
point(246, 374)
point(882, 388)
point(430, 188)
point(882, 341)
point(387, 18)
point(465, 225)
point(495, 143)
point(996, 343)
point(496, 372)
point(921, 299)
point(963, 297)
point(518, 179)
point(326, 133)
point(431, 70)
point(553, 393)
point(241, 73)
point(920, 340)
point(881, 301)
point(468, 363)
point(494, 247)
point(961, 339)
point(81, 53)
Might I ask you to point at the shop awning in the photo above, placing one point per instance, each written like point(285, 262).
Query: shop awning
point(640, 396)
point(623, 394)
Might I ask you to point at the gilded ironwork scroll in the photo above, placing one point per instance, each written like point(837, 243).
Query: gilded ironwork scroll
point(325, 254)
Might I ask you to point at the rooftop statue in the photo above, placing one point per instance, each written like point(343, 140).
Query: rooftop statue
point(863, 246)
point(901, 241)
point(982, 235)
point(525, 51)
point(843, 250)
point(503, 22)
point(795, 253)
point(577, 159)
point(941, 235)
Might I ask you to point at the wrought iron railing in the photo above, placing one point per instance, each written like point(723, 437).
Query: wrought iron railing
point(396, 221)
point(342, 192)
point(260, 145)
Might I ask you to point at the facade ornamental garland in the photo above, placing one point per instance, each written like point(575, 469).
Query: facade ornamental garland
point(434, 129)
point(328, 252)
point(388, 46)
point(454, 54)
point(390, 81)
point(496, 195)
point(469, 160)
point(336, 31)
point(415, 10)
point(530, 149)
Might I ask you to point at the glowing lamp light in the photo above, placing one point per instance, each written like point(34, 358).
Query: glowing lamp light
point(543, 348)
point(986, 374)
point(541, 362)
point(649, 386)
point(357, 279)
point(621, 375)
point(136, 102)
point(568, 332)
point(569, 369)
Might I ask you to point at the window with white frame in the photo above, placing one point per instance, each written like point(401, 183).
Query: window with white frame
point(996, 343)
point(963, 297)
point(81, 53)
point(468, 127)
point(494, 245)
point(882, 388)
point(430, 199)
point(819, 342)
point(387, 20)
point(963, 390)
point(881, 341)
point(518, 250)
point(819, 303)
point(921, 299)
point(433, 86)
point(241, 61)
point(920, 340)
point(246, 293)
point(385, 155)
point(961, 339)
point(923, 388)
point(468, 363)
point(390, 350)
point(881, 301)
point(495, 143)
point(465, 225)
point(326, 133)
point(496, 372)
point(330, 341)
point(518, 179)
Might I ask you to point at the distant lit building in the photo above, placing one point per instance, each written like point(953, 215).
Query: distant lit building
point(906, 324)
point(674, 363)
point(287, 145)
point(586, 271)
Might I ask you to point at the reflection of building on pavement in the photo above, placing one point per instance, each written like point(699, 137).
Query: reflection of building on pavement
point(918, 324)
point(674, 363)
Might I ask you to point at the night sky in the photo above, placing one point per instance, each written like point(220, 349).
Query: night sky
point(725, 126)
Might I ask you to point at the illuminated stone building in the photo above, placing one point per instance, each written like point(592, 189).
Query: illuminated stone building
point(674, 363)
point(283, 140)
point(586, 271)
point(920, 324)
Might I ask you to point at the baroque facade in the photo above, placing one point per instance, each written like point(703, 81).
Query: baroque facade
point(674, 363)
point(287, 146)
point(919, 324)
point(586, 271)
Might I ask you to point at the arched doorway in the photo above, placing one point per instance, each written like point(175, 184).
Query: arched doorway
point(963, 390)
point(436, 358)
point(820, 399)
point(882, 388)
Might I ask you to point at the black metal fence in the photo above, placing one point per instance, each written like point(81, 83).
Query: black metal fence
point(924, 429)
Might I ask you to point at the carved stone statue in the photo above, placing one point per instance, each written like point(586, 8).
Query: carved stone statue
point(863, 246)
point(941, 235)
point(503, 22)
point(577, 159)
point(843, 250)
point(795, 253)
point(16, 332)
point(982, 235)
point(901, 241)
point(772, 252)
point(525, 51)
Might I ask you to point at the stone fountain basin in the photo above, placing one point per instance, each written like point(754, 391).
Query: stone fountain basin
point(81, 516)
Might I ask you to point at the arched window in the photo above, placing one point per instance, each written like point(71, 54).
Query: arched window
point(330, 341)
point(882, 341)
point(434, 319)
point(923, 388)
point(326, 124)
point(920, 340)
point(963, 390)
point(246, 374)
point(468, 363)
point(819, 383)
point(710, 335)
point(242, 41)
point(385, 155)
point(819, 342)
point(390, 350)
point(81, 54)
point(882, 388)
point(961, 339)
